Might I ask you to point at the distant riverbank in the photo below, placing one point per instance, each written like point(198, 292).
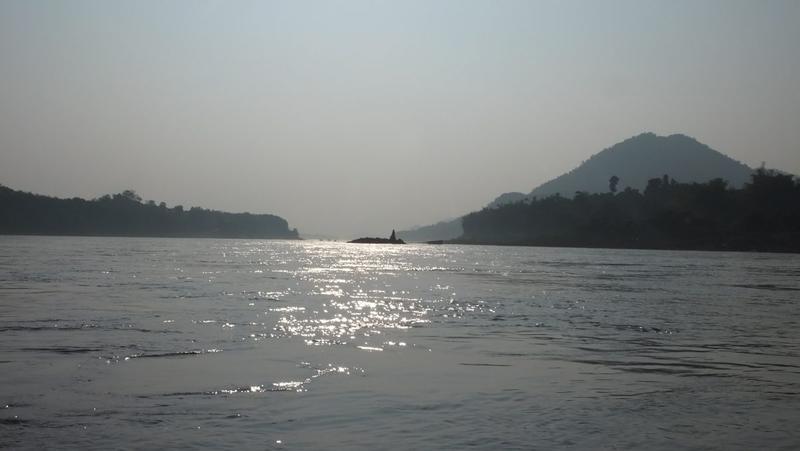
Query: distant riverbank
point(600, 246)
point(125, 214)
point(764, 215)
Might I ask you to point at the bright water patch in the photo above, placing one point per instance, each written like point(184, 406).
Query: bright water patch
point(147, 343)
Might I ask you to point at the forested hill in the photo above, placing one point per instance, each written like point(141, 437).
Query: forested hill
point(125, 214)
point(633, 161)
point(638, 159)
point(764, 215)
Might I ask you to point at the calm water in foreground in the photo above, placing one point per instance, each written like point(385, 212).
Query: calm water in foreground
point(147, 343)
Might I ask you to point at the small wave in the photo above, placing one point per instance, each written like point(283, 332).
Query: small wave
point(765, 286)
point(484, 364)
point(54, 327)
point(369, 348)
point(178, 354)
point(645, 329)
point(82, 327)
point(13, 421)
point(288, 386)
point(673, 367)
point(62, 349)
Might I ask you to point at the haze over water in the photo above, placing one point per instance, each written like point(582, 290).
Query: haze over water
point(115, 342)
point(351, 118)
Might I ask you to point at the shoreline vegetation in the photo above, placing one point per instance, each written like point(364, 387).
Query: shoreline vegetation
point(125, 214)
point(763, 216)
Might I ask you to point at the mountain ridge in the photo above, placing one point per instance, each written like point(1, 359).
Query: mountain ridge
point(648, 155)
point(634, 161)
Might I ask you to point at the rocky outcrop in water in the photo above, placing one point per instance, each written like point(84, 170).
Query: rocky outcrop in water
point(391, 240)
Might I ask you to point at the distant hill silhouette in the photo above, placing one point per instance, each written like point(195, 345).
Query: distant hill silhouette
point(638, 159)
point(507, 198)
point(125, 214)
point(634, 161)
point(444, 230)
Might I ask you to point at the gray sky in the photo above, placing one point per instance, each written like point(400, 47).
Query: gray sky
point(354, 117)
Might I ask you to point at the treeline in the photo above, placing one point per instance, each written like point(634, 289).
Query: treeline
point(125, 214)
point(764, 215)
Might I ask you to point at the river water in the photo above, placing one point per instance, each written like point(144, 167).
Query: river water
point(249, 344)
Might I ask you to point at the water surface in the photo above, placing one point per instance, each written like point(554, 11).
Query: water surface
point(147, 343)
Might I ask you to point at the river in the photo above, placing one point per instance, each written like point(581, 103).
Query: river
point(250, 344)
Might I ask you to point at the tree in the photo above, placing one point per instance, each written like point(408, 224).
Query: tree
point(130, 194)
point(654, 185)
point(612, 183)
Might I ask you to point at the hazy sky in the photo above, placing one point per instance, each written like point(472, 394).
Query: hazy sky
point(354, 117)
